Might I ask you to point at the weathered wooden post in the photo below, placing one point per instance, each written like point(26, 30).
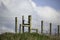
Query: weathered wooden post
point(50, 28)
point(26, 25)
point(19, 28)
point(23, 24)
point(58, 30)
point(29, 22)
point(15, 24)
point(42, 27)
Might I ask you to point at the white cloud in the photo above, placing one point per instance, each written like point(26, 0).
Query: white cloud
point(4, 29)
point(15, 9)
point(27, 7)
point(32, 4)
point(48, 14)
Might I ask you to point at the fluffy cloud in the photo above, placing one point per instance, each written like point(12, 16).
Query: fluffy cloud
point(12, 9)
point(48, 14)
point(9, 9)
point(4, 29)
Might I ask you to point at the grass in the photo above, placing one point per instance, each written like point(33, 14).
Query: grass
point(26, 36)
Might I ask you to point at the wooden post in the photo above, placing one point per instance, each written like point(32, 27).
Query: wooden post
point(15, 24)
point(29, 22)
point(26, 25)
point(50, 27)
point(23, 24)
point(20, 28)
point(42, 27)
point(58, 30)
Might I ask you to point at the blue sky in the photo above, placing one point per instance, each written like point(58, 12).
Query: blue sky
point(52, 3)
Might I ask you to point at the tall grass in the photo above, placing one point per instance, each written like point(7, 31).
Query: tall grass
point(26, 36)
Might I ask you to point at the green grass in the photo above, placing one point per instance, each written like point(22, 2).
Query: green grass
point(25, 36)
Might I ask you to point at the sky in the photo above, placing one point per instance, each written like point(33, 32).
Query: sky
point(51, 3)
point(46, 10)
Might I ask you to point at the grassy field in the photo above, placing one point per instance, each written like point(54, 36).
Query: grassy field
point(26, 36)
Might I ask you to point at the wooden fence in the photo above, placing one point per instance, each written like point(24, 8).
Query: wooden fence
point(21, 27)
